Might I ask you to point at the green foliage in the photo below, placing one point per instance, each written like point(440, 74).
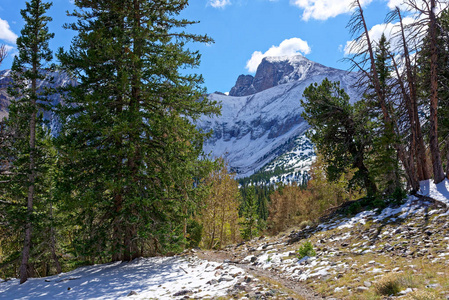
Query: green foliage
point(194, 233)
point(131, 172)
point(27, 159)
point(338, 132)
point(306, 249)
point(354, 208)
point(249, 224)
point(382, 158)
point(262, 193)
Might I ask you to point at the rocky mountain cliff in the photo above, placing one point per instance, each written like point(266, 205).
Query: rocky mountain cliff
point(274, 71)
point(261, 127)
point(53, 80)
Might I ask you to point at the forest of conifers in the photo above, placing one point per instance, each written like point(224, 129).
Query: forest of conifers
point(125, 175)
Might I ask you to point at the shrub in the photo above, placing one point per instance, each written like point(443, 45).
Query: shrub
point(306, 249)
point(390, 284)
point(304, 224)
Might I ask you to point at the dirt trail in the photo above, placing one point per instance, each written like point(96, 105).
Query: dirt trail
point(294, 289)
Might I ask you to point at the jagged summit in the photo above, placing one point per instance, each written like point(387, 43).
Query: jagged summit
point(276, 70)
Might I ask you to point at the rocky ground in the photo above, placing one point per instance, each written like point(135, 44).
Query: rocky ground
point(398, 252)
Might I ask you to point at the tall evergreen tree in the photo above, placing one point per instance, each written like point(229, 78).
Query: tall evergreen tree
point(249, 224)
point(130, 148)
point(26, 152)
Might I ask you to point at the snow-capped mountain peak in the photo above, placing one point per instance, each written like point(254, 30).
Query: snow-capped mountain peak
point(276, 70)
point(261, 118)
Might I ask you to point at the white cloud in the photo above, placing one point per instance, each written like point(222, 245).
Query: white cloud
point(325, 9)
point(288, 47)
point(9, 48)
point(392, 4)
point(389, 29)
point(5, 32)
point(219, 3)
point(408, 5)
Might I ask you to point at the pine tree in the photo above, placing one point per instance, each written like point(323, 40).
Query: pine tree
point(250, 220)
point(26, 154)
point(339, 132)
point(129, 144)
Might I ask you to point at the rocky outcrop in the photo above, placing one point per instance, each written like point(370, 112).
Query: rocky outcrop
point(53, 80)
point(274, 71)
point(4, 98)
point(243, 86)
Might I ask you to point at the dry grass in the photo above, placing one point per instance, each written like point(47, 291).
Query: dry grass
point(423, 295)
point(390, 284)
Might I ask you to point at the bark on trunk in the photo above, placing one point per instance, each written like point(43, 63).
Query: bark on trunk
point(409, 164)
point(117, 232)
point(24, 268)
point(438, 172)
point(412, 108)
point(447, 158)
point(53, 244)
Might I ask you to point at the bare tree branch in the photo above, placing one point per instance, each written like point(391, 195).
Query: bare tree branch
point(3, 53)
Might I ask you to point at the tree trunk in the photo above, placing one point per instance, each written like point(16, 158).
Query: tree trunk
point(447, 157)
point(24, 268)
point(53, 243)
point(409, 164)
point(438, 173)
point(117, 232)
point(375, 75)
point(412, 108)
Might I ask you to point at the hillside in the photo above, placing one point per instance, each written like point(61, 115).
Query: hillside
point(360, 254)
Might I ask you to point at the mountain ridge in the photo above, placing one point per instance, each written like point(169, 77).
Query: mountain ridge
point(254, 126)
point(276, 70)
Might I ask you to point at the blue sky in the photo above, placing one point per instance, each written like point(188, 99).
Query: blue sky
point(244, 31)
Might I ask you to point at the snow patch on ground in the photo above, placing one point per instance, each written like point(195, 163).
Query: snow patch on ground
point(151, 278)
point(438, 191)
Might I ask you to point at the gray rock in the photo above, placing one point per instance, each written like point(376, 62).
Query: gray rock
point(182, 293)
point(225, 278)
